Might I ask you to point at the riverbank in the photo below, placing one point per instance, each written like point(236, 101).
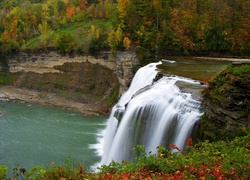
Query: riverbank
point(225, 59)
point(23, 95)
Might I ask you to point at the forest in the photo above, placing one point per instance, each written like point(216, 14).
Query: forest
point(172, 27)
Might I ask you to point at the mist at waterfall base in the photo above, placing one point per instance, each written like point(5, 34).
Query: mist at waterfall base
point(150, 114)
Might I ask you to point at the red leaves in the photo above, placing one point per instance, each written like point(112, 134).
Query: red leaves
point(60, 169)
point(173, 146)
point(178, 175)
point(108, 176)
point(126, 176)
point(189, 142)
point(216, 172)
point(206, 80)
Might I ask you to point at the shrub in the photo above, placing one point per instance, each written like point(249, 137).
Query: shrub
point(3, 171)
point(94, 46)
point(65, 43)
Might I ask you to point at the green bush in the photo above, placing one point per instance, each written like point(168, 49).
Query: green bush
point(94, 46)
point(65, 43)
point(3, 171)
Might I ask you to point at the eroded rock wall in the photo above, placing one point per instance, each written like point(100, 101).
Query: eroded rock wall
point(127, 65)
point(99, 80)
point(84, 79)
point(226, 102)
point(44, 61)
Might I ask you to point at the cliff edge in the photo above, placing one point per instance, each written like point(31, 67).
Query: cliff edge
point(226, 102)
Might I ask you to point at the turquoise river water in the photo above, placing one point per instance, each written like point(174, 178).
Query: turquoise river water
point(32, 135)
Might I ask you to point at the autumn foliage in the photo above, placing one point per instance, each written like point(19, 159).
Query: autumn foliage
point(153, 26)
point(220, 160)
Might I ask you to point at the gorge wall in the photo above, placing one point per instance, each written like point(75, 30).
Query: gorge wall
point(127, 65)
point(226, 103)
point(44, 61)
point(87, 79)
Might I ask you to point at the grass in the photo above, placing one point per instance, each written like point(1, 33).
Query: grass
point(240, 70)
point(222, 83)
point(79, 30)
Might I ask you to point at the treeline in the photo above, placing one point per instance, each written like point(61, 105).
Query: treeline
point(24, 20)
point(149, 26)
point(183, 26)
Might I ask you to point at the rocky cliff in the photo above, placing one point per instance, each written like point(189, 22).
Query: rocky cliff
point(88, 80)
point(127, 65)
point(97, 81)
point(226, 103)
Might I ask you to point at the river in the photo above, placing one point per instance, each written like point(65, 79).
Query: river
point(32, 134)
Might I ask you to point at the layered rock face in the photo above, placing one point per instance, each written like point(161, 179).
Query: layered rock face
point(127, 65)
point(84, 79)
point(44, 62)
point(226, 103)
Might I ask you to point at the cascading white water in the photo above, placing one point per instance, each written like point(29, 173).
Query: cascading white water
point(151, 114)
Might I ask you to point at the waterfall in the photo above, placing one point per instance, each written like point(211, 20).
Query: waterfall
point(151, 114)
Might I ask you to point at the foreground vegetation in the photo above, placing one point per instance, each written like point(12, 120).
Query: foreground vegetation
point(204, 160)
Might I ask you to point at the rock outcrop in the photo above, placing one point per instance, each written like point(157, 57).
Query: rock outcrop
point(97, 81)
point(83, 79)
point(127, 65)
point(44, 61)
point(226, 103)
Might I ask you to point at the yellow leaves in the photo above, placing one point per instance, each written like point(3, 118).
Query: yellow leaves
point(126, 43)
point(114, 38)
point(66, 1)
point(15, 11)
point(62, 178)
point(94, 32)
point(202, 178)
point(122, 7)
point(118, 34)
point(156, 4)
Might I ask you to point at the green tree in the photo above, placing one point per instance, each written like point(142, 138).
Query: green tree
point(217, 38)
point(65, 43)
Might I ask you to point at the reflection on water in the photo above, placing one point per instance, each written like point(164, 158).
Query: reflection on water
point(38, 135)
